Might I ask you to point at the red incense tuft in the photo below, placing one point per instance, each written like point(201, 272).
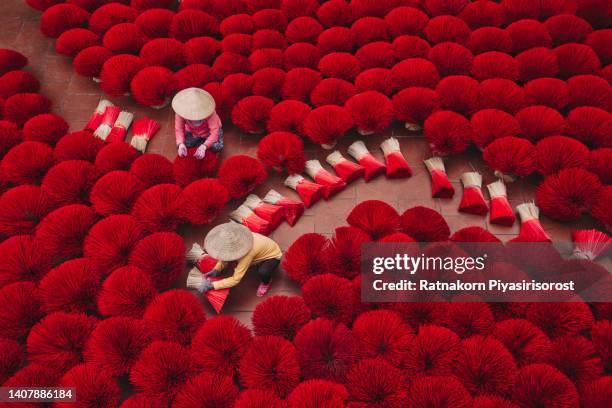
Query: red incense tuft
point(473, 201)
point(501, 211)
point(590, 244)
point(245, 216)
point(292, 210)
point(360, 152)
point(564, 196)
point(415, 104)
point(305, 257)
point(376, 218)
point(333, 184)
point(282, 150)
point(510, 157)
point(397, 166)
point(308, 191)
point(441, 187)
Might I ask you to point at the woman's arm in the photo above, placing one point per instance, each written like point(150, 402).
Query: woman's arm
point(239, 272)
point(214, 124)
point(179, 129)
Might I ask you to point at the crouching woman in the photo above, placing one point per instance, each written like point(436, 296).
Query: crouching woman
point(196, 125)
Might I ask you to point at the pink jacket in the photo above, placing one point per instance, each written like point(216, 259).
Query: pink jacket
point(208, 129)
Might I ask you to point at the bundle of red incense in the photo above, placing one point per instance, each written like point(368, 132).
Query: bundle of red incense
point(333, 184)
point(531, 228)
point(111, 113)
point(292, 210)
point(216, 297)
point(308, 191)
point(269, 212)
point(441, 187)
point(360, 152)
point(143, 131)
point(590, 244)
point(245, 216)
point(501, 211)
point(346, 169)
point(96, 118)
point(473, 201)
point(120, 129)
point(397, 166)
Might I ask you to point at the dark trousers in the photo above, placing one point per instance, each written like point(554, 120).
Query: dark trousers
point(266, 268)
point(191, 141)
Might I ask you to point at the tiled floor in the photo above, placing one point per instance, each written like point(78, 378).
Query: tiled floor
point(75, 98)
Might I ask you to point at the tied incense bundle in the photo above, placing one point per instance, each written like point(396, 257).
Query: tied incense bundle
point(96, 118)
point(344, 168)
point(111, 113)
point(531, 228)
point(120, 129)
point(143, 131)
point(397, 166)
point(205, 263)
point(440, 185)
point(269, 212)
point(360, 152)
point(292, 210)
point(308, 191)
point(590, 244)
point(501, 211)
point(473, 201)
point(333, 184)
point(245, 216)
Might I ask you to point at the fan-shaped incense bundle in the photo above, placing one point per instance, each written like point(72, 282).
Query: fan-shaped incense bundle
point(501, 211)
point(111, 113)
point(590, 244)
point(292, 210)
point(360, 152)
point(269, 212)
point(96, 117)
point(143, 131)
point(120, 129)
point(333, 184)
point(308, 191)
point(473, 201)
point(397, 166)
point(252, 221)
point(531, 228)
point(440, 185)
point(344, 168)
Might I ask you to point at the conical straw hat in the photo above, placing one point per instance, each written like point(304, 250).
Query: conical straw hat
point(228, 242)
point(193, 104)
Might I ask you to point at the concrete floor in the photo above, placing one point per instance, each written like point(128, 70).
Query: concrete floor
point(75, 98)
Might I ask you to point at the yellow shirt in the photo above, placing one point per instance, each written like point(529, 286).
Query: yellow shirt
point(263, 249)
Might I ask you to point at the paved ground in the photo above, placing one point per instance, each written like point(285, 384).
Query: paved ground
point(75, 98)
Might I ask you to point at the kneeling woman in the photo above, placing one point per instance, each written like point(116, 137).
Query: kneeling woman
point(196, 123)
point(232, 242)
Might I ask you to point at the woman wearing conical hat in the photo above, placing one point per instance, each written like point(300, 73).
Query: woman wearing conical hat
point(196, 124)
point(235, 243)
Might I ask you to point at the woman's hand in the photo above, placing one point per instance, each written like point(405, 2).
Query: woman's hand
point(182, 150)
point(205, 286)
point(201, 152)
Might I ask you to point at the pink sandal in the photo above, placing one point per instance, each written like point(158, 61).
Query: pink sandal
point(263, 289)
